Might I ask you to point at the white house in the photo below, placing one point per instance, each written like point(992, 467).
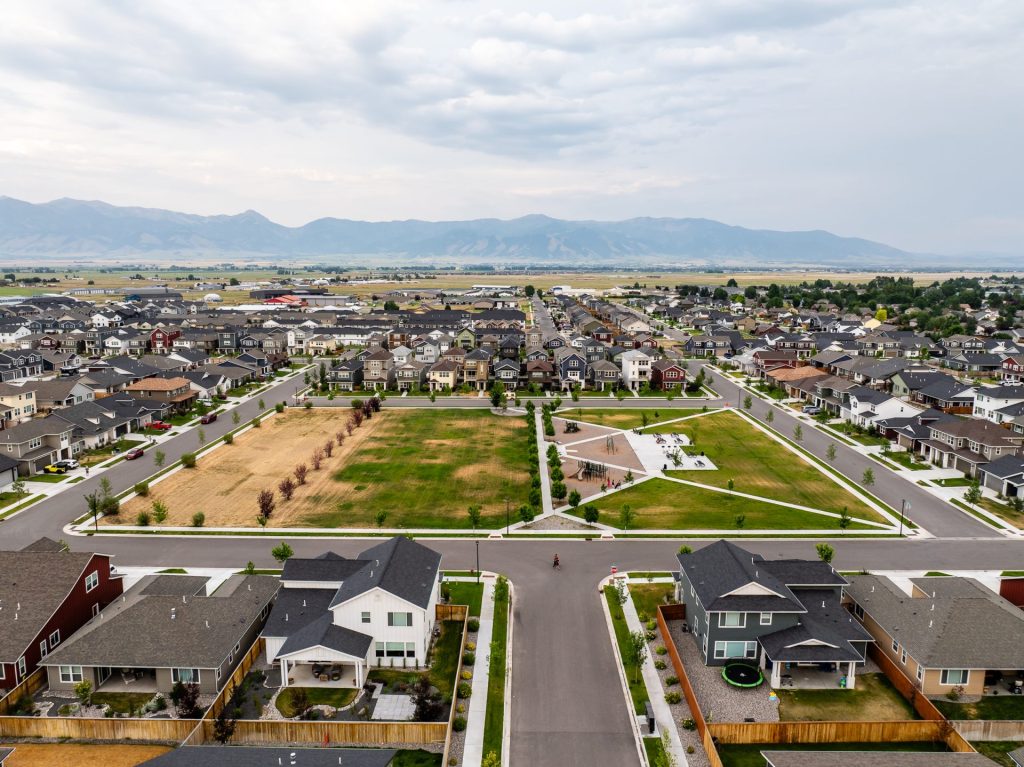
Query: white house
point(636, 368)
point(863, 406)
point(996, 403)
point(339, 617)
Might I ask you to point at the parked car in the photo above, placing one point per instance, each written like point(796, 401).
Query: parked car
point(208, 418)
point(54, 469)
point(160, 425)
point(68, 464)
point(135, 452)
point(811, 410)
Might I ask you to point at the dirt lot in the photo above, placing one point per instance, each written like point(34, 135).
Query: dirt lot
point(226, 482)
point(424, 468)
point(77, 755)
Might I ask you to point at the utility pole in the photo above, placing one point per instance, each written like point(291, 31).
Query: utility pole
point(904, 506)
point(478, 561)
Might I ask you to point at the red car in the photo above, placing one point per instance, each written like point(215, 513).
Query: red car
point(160, 425)
point(208, 418)
point(135, 452)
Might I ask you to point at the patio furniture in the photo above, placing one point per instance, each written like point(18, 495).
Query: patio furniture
point(335, 674)
point(127, 677)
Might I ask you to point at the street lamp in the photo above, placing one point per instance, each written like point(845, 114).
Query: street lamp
point(507, 518)
point(478, 561)
point(904, 507)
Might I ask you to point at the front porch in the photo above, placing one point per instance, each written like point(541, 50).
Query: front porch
point(120, 680)
point(349, 673)
point(818, 676)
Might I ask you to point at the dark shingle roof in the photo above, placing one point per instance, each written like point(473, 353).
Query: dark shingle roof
point(296, 608)
point(400, 566)
point(323, 633)
point(326, 567)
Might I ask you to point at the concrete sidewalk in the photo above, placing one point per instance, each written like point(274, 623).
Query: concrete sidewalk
point(473, 750)
point(542, 450)
point(655, 691)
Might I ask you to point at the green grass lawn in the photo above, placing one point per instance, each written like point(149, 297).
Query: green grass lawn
point(997, 750)
point(1003, 511)
point(395, 680)
point(664, 505)
point(906, 460)
point(647, 596)
point(122, 702)
point(953, 482)
point(47, 478)
point(426, 467)
point(462, 593)
point(654, 750)
point(317, 696)
point(989, 707)
point(749, 755)
point(620, 418)
point(445, 657)
point(759, 465)
point(637, 689)
point(873, 699)
point(494, 717)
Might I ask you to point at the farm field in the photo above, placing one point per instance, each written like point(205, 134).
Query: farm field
point(423, 467)
point(76, 755)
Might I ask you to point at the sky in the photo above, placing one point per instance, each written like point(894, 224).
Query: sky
point(896, 121)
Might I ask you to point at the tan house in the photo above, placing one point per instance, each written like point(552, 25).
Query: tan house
point(176, 391)
point(16, 404)
point(321, 344)
point(945, 633)
point(443, 373)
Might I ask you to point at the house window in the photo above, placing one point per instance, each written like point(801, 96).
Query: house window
point(68, 674)
point(735, 650)
point(732, 620)
point(366, 617)
point(903, 656)
point(42, 649)
point(766, 619)
point(399, 619)
point(54, 639)
point(95, 609)
point(185, 675)
point(858, 611)
point(920, 672)
point(955, 676)
point(92, 580)
point(21, 667)
point(895, 646)
point(410, 649)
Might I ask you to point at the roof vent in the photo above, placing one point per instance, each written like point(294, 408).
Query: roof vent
point(207, 624)
point(303, 602)
point(174, 613)
point(286, 617)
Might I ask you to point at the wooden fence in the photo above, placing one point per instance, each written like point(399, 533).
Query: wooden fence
point(924, 707)
point(197, 736)
point(991, 729)
point(458, 678)
point(108, 729)
point(267, 732)
point(828, 732)
point(30, 685)
point(451, 612)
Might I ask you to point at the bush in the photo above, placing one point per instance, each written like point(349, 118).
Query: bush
point(464, 690)
point(688, 724)
point(660, 665)
point(229, 438)
point(255, 423)
point(198, 519)
point(670, 680)
point(466, 674)
point(159, 511)
point(279, 407)
point(673, 697)
point(142, 488)
point(474, 624)
point(661, 650)
point(188, 460)
point(142, 519)
point(471, 646)
point(468, 658)
point(459, 723)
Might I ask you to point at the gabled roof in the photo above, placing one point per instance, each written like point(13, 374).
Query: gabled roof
point(323, 633)
point(399, 566)
point(728, 578)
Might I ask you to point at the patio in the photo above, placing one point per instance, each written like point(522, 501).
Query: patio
point(815, 678)
point(130, 680)
point(322, 675)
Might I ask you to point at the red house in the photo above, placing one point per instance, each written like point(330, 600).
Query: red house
point(1012, 369)
point(46, 595)
point(161, 340)
point(666, 374)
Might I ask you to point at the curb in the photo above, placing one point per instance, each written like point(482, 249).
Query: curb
point(506, 724)
point(637, 737)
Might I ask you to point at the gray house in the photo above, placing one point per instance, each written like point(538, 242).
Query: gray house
point(784, 615)
point(166, 629)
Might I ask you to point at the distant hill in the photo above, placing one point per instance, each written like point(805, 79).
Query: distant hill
point(68, 228)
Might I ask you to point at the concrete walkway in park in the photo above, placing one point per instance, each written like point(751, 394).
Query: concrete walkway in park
point(656, 692)
point(473, 750)
point(542, 458)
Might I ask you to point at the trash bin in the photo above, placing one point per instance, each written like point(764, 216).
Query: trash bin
point(649, 710)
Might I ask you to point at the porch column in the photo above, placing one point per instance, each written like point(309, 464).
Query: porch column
point(776, 674)
point(284, 672)
point(851, 681)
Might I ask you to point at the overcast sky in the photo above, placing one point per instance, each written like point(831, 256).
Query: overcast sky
point(896, 121)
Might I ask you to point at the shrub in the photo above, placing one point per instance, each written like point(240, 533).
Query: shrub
point(673, 697)
point(690, 749)
point(309, 405)
point(287, 488)
point(688, 724)
point(468, 658)
point(198, 519)
point(188, 460)
point(459, 723)
point(255, 423)
point(670, 680)
point(660, 665)
point(474, 624)
point(300, 473)
point(142, 488)
point(159, 511)
point(279, 407)
point(471, 646)
point(229, 438)
point(661, 650)
point(466, 674)
point(464, 690)
point(142, 519)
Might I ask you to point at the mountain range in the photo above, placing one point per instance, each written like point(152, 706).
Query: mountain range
point(68, 229)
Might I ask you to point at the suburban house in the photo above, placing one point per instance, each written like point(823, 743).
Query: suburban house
point(965, 444)
point(346, 615)
point(999, 404)
point(944, 632)
point(16, 405)
point(667, 374)
point(38, 442)
point(636, 369)
point(164, 630)
point(47, 594)
point(1004, 475)
point(176, 391)
point(784, 615)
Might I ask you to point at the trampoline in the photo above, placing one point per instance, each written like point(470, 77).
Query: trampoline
point(742, 675)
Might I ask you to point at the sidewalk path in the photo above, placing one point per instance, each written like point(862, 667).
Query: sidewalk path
point(655, 691)
point(542, 450)
point(473, 750)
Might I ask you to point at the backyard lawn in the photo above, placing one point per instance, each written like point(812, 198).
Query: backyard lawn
point(337, 697)
point(873, 699)
point(997, 750)
point(989, 707)
point(759, 465)
point(749, 755)
point(618, 418)
point(646, 597)
point(123, 702)
point(419, 758)
point(445, 657)
point(661, 504)
point(464, 593)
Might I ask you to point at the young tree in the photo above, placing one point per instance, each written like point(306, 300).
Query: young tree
point(559, 490)
point(644, 419)
point(825, 553)
point(282, 553)
point(340, 438)
point(498, 396)
point(83, 691)
point(474, 516)
point(223, 726)
point(844, 519)
point(526, 514)
point(798, 433)
point(380, 518)
point(261, 405)
point(300, 472)
point(265, 502)
point(770, 416)
point(159, 511)
point(636, 652)
point(626, 517)
point(287, 488)
point(235, 417)
point(591, 514)
point(574, 499)
point(972, 494)
point(427, 705)
point(158, 458)
point(329, 448)
point(747, 402)
point(831, 452)
point(188, 702)
point(316, 459)
point(740, 520)
point(869, 477)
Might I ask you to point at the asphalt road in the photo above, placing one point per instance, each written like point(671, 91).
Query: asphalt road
point(568, 707)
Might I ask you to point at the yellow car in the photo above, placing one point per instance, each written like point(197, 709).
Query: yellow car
point(54, 469)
